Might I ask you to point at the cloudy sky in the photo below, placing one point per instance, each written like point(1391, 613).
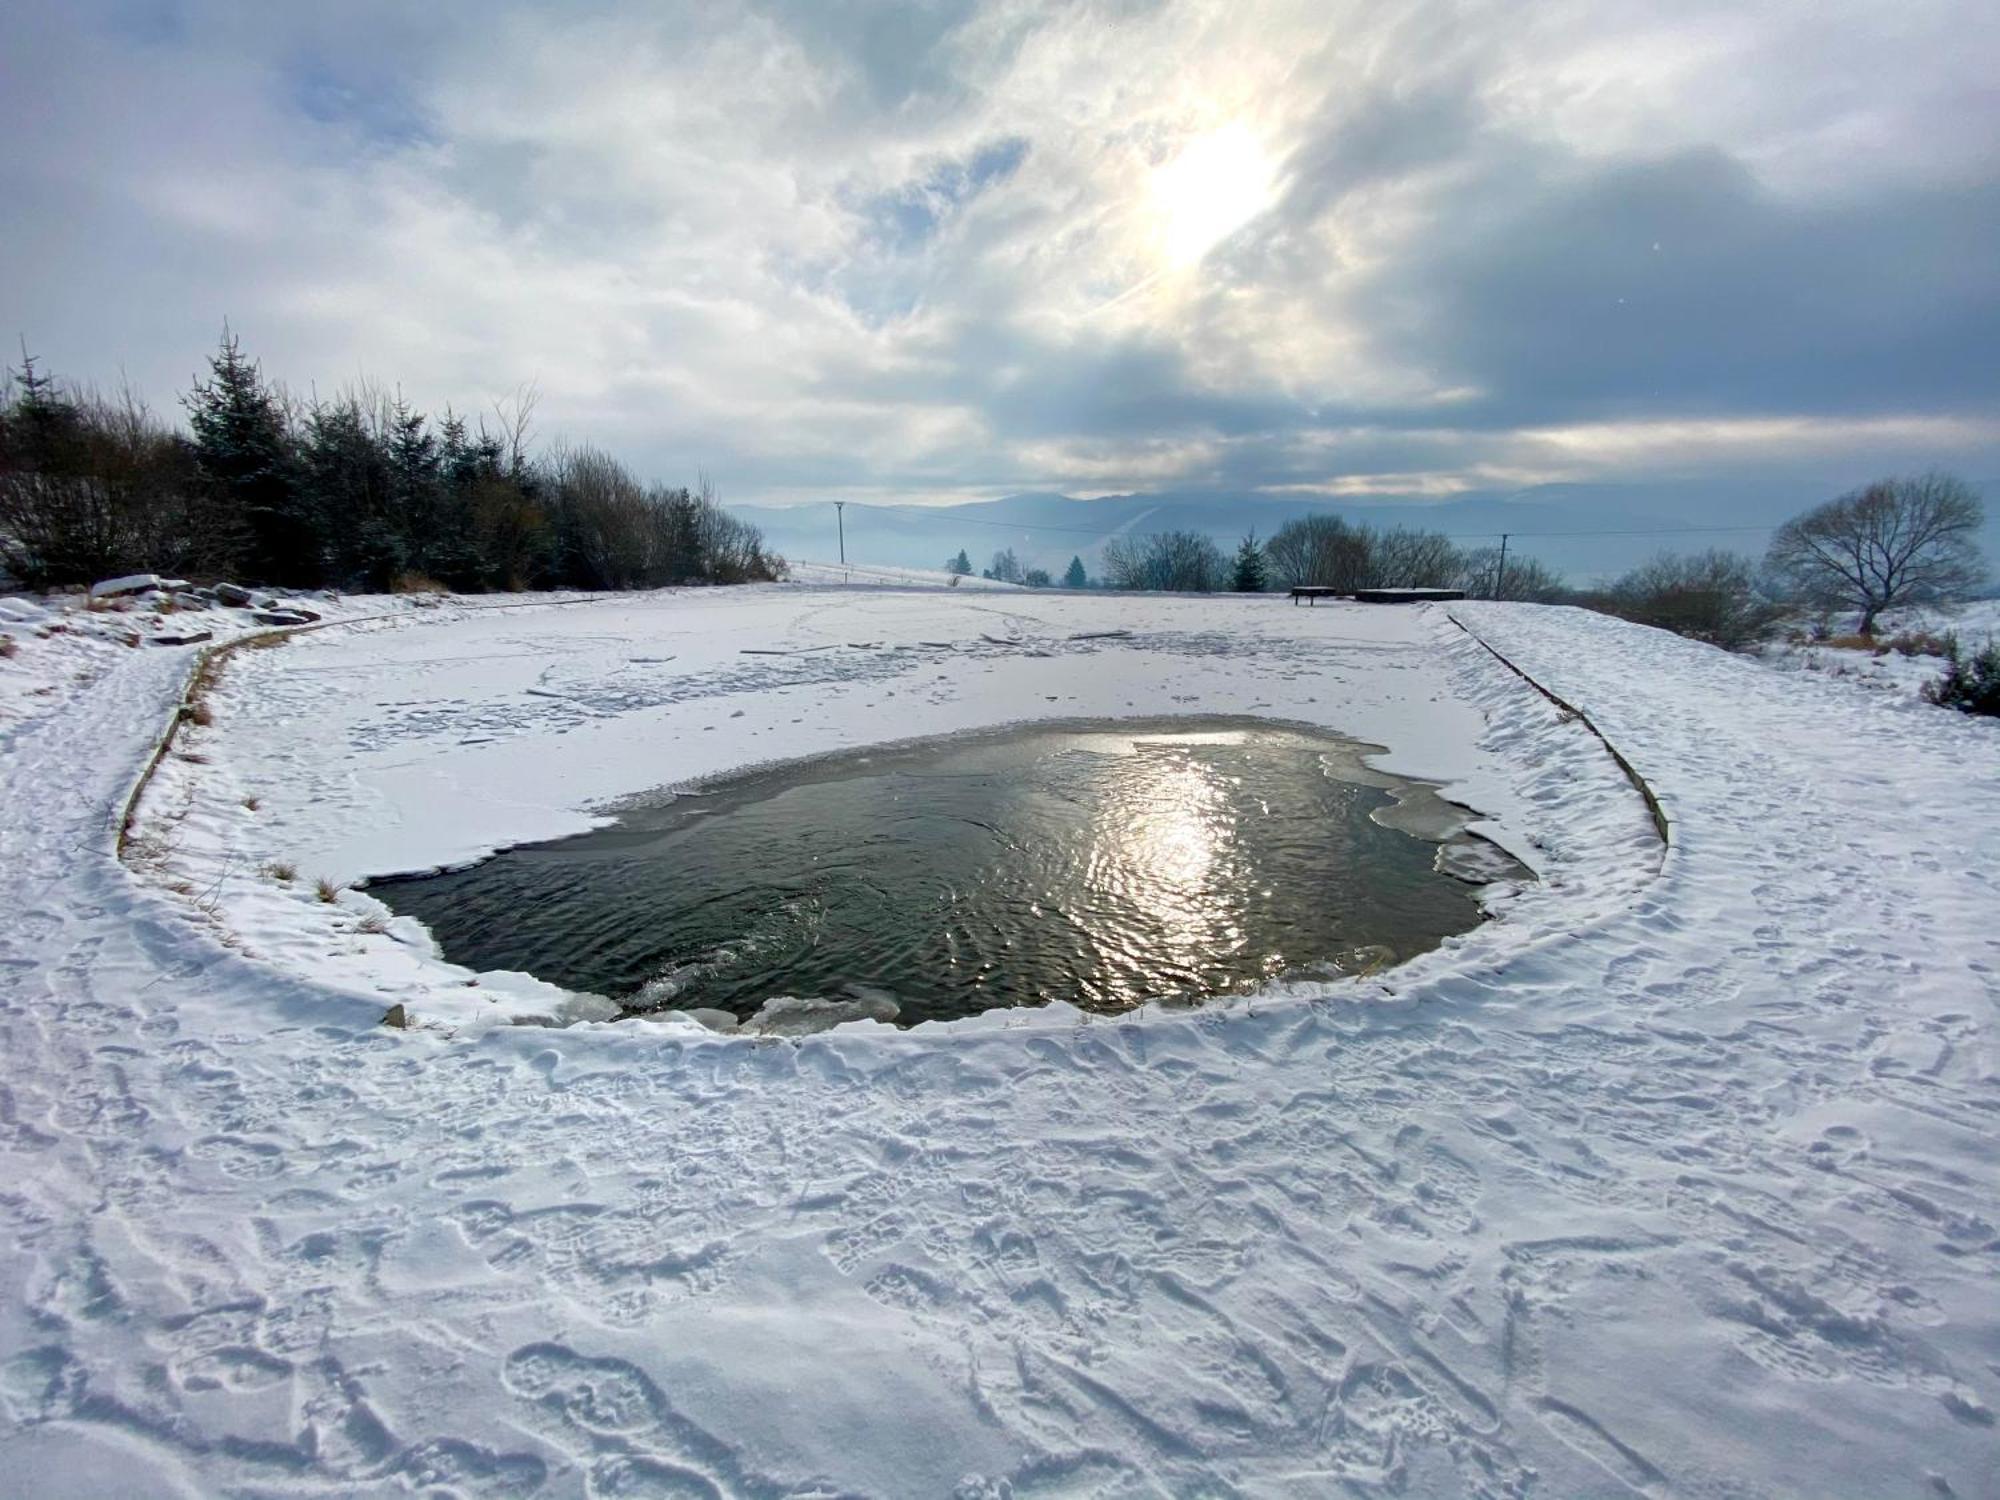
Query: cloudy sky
point(953, 249)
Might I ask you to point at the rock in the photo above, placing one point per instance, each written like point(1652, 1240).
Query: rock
point(132, 583)
point(233, 594)
point(397, 1017)
point(180, 637)
point(284, 617)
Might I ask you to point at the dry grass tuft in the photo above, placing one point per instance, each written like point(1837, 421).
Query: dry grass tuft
point(1920, 643)
point(372, 924)
point(282, 871)
point(412, 582)
point(326, 890)
point(253, 803)
point(9, 647)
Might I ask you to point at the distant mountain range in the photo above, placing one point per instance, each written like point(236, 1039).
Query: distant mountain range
point(1586, 531)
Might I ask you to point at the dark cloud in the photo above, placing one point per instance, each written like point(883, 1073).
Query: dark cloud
point(1680, 285)
point(915, 246)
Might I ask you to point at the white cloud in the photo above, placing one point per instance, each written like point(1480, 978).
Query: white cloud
point(927, 251)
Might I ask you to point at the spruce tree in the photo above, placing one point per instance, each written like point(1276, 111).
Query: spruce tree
point(417, 489)
point(1074, 577)
point(961, 564)
point(1249, 577)
point(245, 458)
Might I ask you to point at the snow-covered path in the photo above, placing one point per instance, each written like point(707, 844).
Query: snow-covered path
point(1674, 1184)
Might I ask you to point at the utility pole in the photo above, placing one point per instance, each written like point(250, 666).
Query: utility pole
point(840, 521)
point(1500, 574)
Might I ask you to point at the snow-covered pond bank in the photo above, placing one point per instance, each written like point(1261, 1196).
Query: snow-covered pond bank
point(1673, 1180)
point(396, 747)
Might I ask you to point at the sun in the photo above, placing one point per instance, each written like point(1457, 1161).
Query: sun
point(1218, 183)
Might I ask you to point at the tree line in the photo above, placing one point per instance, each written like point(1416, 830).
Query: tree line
point(1895, 542)
point(360, 491)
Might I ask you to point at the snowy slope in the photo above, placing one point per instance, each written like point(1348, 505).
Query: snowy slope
point(1677, 1179)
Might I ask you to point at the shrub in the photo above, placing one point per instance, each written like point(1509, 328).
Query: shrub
point(1920, 643)
point(1969, 684)
point(1706, 596)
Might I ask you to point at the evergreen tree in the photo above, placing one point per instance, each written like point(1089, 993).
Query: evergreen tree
point(244, 451)
point(1074, 577)
point(961, 564)
point(417, 490)
point(1249, 577)
point(349, 488)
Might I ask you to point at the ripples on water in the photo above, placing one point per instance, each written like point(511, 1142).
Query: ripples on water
point(1103, 865)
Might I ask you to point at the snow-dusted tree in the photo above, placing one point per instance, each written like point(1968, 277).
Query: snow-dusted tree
point(1898, 541)
point(1037, 578)
point(1074, 577)
point(1006, 566)
point(1249, 575)
point(960, 565)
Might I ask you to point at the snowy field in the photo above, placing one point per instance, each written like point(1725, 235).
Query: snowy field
point(1680, 1177)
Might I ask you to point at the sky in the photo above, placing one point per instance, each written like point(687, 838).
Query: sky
point(950, 250)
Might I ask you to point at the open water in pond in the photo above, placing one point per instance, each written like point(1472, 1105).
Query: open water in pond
point(1103, 864)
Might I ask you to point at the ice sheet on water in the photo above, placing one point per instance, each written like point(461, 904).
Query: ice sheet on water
point(803, 1015)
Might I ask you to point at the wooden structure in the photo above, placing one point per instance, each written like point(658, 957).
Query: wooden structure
point(1313, 591)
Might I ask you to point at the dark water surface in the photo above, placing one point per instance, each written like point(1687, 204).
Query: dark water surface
point(1099, 864)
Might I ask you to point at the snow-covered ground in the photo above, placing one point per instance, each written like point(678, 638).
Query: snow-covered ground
point(1678, 1178)
point(874, 575)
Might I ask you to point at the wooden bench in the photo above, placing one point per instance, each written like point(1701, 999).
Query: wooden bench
point(1313, 591)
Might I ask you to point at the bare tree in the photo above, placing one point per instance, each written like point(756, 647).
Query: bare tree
point(1404, 558)
point(516, 415)
point(1898, 541)
point(1179, 561)
point(1006, 566)
point(1321, 550)
point(1526, 579)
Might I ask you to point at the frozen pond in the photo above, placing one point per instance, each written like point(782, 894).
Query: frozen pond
point(1104, 864)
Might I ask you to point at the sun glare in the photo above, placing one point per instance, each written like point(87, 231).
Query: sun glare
point(1218, 183)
